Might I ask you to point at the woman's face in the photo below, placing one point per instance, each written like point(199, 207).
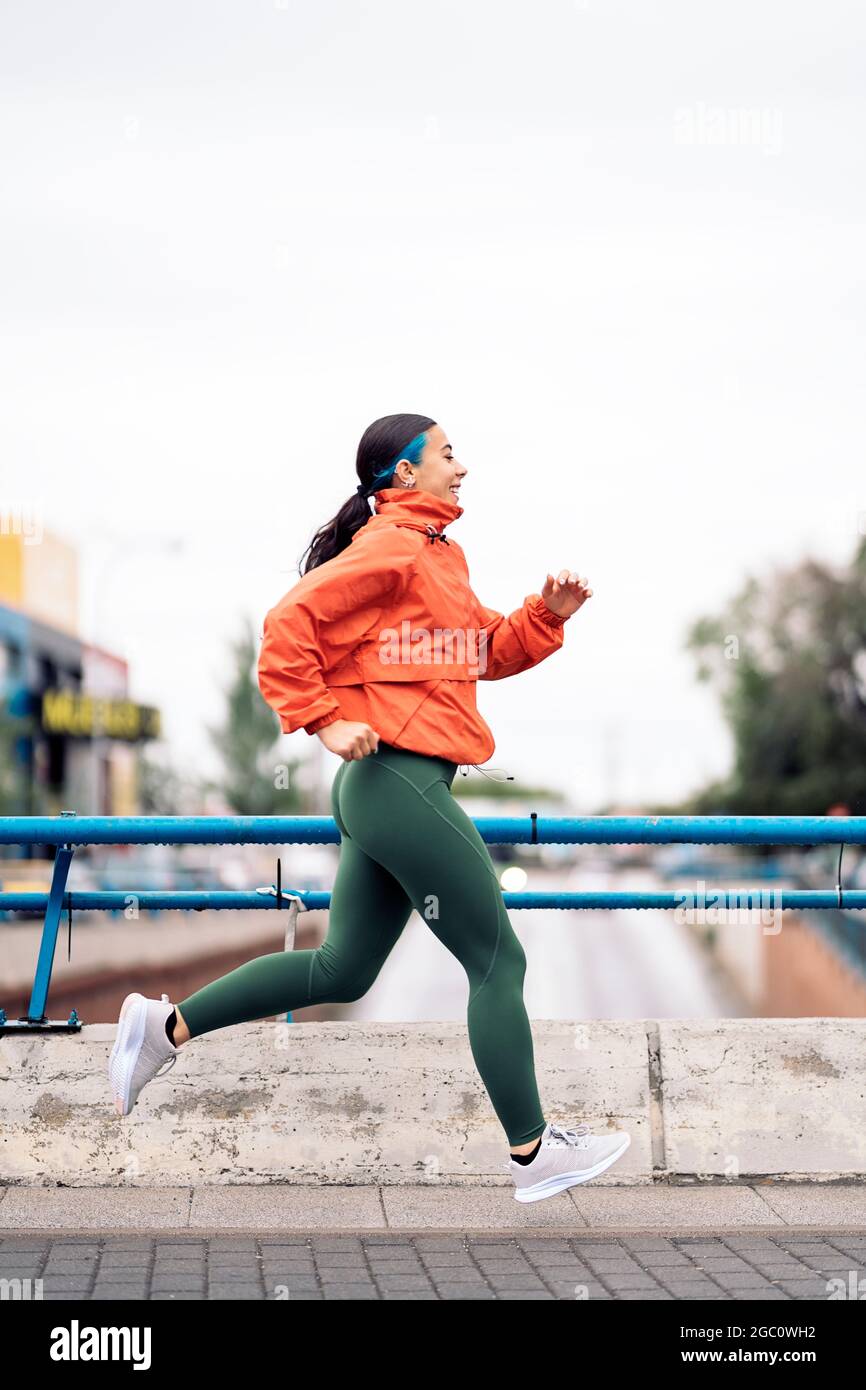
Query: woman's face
point(437, 470)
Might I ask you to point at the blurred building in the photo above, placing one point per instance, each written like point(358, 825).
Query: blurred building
point(78, 748)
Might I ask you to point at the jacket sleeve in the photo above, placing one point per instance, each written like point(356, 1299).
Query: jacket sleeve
point(322, 619)
point(518, 642)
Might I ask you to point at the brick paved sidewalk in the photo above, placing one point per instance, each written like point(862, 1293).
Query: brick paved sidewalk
point(171, 1265)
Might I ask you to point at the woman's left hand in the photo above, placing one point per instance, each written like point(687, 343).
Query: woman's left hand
point(566, 593)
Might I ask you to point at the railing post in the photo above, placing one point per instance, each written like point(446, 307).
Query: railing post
point(36, 1018)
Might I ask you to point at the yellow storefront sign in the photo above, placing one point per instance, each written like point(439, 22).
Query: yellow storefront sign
point(87, 716)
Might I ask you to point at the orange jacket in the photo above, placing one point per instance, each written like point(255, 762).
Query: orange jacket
point(390, 633)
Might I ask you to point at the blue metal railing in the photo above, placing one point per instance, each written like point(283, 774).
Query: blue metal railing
point(68, 830)
point(495, 830)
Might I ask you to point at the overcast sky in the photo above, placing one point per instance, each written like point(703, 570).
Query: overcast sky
point(615, 249)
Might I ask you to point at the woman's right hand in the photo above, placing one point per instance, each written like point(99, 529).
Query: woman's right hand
point(350, 740)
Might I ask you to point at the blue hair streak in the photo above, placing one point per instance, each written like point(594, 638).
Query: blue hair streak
point(412, 452)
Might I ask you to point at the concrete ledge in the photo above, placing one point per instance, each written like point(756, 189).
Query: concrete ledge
point(396, 1105)
point(303, 1210)
point(764, 1096)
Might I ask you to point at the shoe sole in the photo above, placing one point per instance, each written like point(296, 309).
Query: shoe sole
point(127, 1046)
point(561, 1181)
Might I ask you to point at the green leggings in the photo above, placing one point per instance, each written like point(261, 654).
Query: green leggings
point(405, 843)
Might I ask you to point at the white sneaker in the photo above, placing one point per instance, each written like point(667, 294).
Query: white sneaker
point(140, 1049)
point(566, 1157)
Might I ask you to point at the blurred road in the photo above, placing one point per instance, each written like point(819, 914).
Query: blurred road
point(580, 964)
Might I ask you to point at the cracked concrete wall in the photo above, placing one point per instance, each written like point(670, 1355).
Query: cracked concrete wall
point(403, 1103)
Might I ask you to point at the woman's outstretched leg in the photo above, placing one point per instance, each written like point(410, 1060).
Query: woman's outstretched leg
point(368, 911)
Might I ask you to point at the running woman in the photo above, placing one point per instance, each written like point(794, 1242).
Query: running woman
point(377, 651)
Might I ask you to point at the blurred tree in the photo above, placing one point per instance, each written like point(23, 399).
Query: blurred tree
point(159, 787)
point(256, 780)
point(475, 784)
point(15, 790)
point(788, 659)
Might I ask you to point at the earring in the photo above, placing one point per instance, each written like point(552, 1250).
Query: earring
point(412, 484)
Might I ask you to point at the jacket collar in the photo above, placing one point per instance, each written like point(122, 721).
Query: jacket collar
point(415, 508)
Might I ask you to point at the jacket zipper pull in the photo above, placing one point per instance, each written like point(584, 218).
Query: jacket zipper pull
point(434, 535)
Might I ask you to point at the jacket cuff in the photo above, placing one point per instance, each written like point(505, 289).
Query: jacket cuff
point(547, 615)
point(320, 723)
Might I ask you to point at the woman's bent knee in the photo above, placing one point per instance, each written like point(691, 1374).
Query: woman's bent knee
point(338, 986)
point(511, 957)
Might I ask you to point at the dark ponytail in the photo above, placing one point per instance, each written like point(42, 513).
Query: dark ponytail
point(382, 446)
